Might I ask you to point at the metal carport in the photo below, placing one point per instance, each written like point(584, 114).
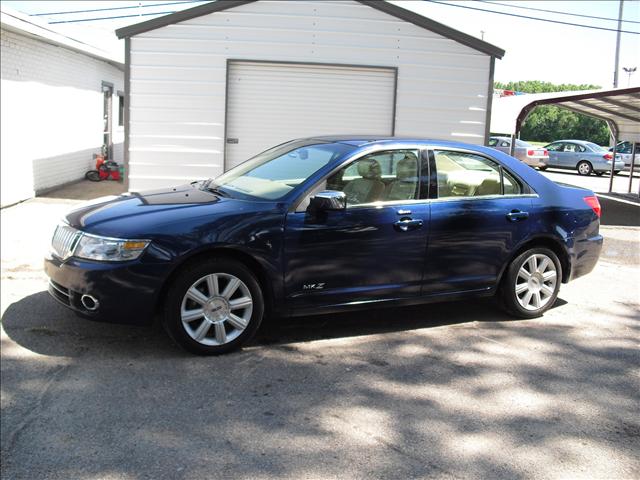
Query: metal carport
point(619, 107)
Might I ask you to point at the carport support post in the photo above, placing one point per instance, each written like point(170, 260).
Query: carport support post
point(634, 150)
point(613, 161)
point(512, 147)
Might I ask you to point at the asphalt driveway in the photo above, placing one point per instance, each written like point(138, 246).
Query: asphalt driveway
point(448, 391)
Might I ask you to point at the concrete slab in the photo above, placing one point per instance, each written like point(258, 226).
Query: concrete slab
point(455, 390)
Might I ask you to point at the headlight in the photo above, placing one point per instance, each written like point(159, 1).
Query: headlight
point(93, 247)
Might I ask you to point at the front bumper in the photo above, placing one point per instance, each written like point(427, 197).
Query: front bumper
point(127, 292)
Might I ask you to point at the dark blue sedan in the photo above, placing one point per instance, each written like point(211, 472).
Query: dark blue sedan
point(323, 225)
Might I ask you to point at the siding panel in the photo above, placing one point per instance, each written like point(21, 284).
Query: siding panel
point(442, 85)
point(52, 115)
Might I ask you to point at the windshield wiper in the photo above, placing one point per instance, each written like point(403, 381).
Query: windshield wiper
point(217, 191)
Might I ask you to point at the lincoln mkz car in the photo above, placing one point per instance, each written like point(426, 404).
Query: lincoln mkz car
point(323, 225)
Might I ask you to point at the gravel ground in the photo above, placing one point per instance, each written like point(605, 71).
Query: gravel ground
point(448, 391)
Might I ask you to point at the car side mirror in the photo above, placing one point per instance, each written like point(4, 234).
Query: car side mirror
point(327, 200)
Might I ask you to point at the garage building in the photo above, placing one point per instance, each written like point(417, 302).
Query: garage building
point(60, 106)
point(209, 87)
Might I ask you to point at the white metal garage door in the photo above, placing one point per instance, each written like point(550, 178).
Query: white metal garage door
point(270, 103)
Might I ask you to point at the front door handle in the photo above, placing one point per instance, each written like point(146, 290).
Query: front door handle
point(406, 224)
point(517, 215)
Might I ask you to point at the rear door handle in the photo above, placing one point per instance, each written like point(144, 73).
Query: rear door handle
point(406, 224)
point(517, 215)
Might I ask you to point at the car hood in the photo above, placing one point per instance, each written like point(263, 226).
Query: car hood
point(144, 214)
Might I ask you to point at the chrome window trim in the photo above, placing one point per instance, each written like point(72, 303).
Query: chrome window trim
point(349, 161)
point(421, 148)
point(444, 199)
point(491, 159)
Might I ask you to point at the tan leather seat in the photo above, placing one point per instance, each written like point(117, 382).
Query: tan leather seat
point(489, 186)
point(405, 186)
point(369, 188)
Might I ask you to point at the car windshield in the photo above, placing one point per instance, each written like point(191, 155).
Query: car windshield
point(274, 173)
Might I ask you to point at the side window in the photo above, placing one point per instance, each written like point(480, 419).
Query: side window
point(580, 148)
point(554, 147)
point(493, 142)
point(505, 144)
point(379, 177)
point(570, 147)
point(511, 185)
point(462, 174)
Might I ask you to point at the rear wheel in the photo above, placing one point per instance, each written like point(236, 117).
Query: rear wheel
point(93, 175)
point(531, 283)
point(213, 307)
point(584, 168)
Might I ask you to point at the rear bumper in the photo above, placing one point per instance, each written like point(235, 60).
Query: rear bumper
point(537, 161)
point(606, 167)
point(585, 255)
point(127, 293)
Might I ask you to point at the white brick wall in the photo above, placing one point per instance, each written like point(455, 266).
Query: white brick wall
point(51, 112)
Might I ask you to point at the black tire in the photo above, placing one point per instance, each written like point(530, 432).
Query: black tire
point(507, 291)
point(584, 168)
point(93, 175)
point(171, 313)
point(542, 169)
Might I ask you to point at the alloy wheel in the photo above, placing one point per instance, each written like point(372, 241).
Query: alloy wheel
point(536, 282)
point(584, 168)
point(216, 309)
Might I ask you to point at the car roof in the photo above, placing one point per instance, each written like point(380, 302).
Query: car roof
point(372, 140)
point(581, 142)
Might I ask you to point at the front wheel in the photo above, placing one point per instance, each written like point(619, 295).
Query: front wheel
point(531, 283)
point(584, 168)
point(213, 307)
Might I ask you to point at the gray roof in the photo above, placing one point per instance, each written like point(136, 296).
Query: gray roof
point(619, 107)
point(383, 6)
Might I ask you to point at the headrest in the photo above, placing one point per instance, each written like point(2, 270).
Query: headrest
point(407, 168)
point(369, 169)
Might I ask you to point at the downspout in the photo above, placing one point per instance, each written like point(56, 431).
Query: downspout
point(127, 103)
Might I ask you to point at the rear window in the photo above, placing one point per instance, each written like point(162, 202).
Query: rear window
point(595, 148)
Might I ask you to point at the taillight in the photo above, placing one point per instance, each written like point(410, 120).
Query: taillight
point(545, 153)
point(530, 153)
point(607, 156)
point(593, 202)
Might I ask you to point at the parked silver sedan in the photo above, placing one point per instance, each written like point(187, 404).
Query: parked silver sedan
point(585, 157)
point(526, 153)
point(625, 149)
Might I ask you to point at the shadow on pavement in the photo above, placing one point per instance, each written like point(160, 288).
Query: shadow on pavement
point(40, 325)
point(511, 401)
point(619, 213)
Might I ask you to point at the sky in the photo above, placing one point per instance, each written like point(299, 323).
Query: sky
point(535, 50)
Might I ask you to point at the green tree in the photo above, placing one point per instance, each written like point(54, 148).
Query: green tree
point(548, 123)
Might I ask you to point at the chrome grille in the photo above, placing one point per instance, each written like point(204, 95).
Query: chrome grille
point(64, 241)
